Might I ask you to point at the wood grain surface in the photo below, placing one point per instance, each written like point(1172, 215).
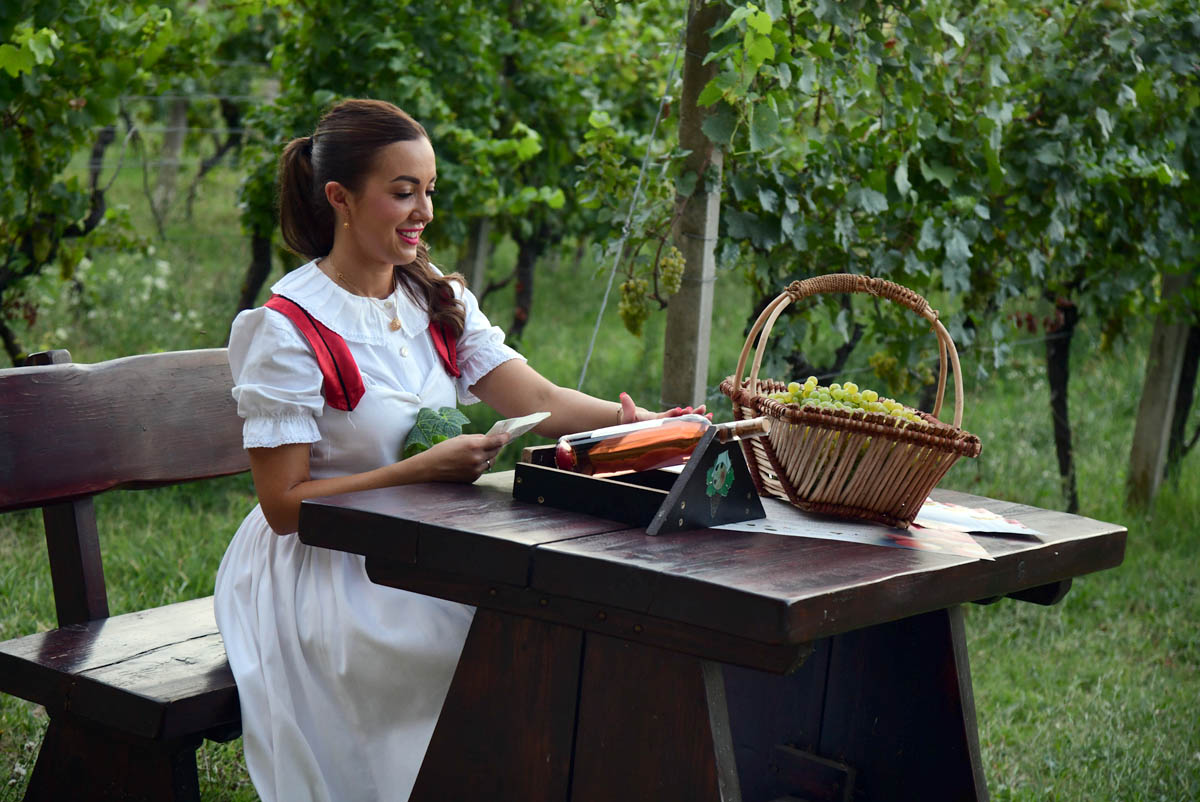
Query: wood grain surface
point(73, 430)
point(771, 588)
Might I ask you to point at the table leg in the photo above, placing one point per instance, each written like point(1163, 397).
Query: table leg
point(507, 725)
point(652, 726)
point(885, 712)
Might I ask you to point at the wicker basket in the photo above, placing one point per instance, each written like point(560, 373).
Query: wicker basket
point(832, 462)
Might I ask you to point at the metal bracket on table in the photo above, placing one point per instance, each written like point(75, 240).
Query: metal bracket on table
point(715, 487)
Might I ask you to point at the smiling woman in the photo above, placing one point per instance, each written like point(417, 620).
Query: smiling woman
point(341, 680)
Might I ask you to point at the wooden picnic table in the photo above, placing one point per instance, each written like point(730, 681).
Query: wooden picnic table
point(606, 664)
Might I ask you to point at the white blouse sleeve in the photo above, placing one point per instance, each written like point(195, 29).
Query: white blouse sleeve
point(481, 347)
point(277, 382)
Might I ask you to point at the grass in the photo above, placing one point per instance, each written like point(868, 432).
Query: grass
point(1095, 698)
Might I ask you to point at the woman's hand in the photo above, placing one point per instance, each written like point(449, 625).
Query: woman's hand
point(631, 412)
point(463, 458)
point(282, 479)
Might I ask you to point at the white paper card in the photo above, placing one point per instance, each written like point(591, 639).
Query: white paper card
point(518, 426)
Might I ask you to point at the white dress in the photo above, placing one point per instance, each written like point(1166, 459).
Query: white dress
point(341, 680)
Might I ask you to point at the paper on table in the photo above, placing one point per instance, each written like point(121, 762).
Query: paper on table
point(518, 426)
point(784, 519)
point(944, 515)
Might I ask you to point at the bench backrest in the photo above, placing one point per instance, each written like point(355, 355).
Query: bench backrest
point(69, 431)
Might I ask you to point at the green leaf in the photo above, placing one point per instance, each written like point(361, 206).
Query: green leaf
point(958, 250)
point(685, 183)
point(1120, 39)
point(938, 172)
point(768, 199)
point(764, 127)
point(432, 427)
point(948, 28)
point(868, 200)
point(1164, 173)
point(735, 16)
point(901, 176)
point(760, 21)
point(1050, 153)
point(528, 148)
point(929, 237)
point(42, 44)
point(759, 48)
point(599, 119)
point(15, 60)
point(822, 50)
point(1037, 263)
point(996, 74)
point(784, 73)
point(710, 94)
point(842, 324)
point(554, 198)
point(719, 125)
point(956, 279)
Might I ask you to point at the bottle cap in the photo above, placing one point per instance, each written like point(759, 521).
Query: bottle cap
point(751, 427)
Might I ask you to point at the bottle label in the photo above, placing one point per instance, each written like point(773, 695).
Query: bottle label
point(637, 426)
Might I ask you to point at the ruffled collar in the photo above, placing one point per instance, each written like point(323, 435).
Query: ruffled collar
point(354, 317)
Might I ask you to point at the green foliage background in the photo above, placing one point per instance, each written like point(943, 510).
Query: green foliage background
point(1001, 158)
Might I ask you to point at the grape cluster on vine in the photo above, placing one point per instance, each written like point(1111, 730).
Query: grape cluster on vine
point(670, 271)
point(846, 397)
point(634, 307)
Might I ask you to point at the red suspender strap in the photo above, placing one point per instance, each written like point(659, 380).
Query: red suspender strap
point(343, 384)
point(446, 345)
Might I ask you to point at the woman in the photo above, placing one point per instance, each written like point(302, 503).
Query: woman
point(341, 680)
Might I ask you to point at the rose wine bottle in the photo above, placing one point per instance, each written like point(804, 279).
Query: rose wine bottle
point(645, 445)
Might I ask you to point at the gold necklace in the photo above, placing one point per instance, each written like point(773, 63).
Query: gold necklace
point(394, 324)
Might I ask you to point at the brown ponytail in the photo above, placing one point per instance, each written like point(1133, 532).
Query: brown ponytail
point(306, 219)
point(343, 149)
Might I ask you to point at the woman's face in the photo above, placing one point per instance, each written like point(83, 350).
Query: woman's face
point(395, 204)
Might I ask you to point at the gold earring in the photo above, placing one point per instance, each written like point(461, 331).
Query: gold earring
point(346, 224)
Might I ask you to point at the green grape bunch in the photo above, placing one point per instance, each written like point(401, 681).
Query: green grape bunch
point(634, 307)
point(670, 271)
point(847, 397)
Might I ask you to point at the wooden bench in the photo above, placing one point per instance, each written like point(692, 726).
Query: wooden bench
point(130, 697)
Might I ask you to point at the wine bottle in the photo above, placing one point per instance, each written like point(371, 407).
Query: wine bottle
point(645, 445)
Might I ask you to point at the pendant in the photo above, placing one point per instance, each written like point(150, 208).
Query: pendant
point(395, 324)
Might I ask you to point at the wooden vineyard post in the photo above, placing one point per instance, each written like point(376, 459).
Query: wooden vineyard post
point(689, 315)
point(1156, 410)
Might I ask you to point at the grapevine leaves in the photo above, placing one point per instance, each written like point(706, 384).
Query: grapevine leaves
point(992, 155)
point(66, 71)
point(432, 427)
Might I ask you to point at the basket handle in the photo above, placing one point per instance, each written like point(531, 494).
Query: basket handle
point(848, 282)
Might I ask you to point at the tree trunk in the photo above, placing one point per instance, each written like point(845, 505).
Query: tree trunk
point(257, 271)
point(232, 114)
point(1178, 446)
point(168, 163)
point(528, 251)
point(689, 314)
point(474, 263)
point(1160, 393)
point(12, 346)
point(1058, 369)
